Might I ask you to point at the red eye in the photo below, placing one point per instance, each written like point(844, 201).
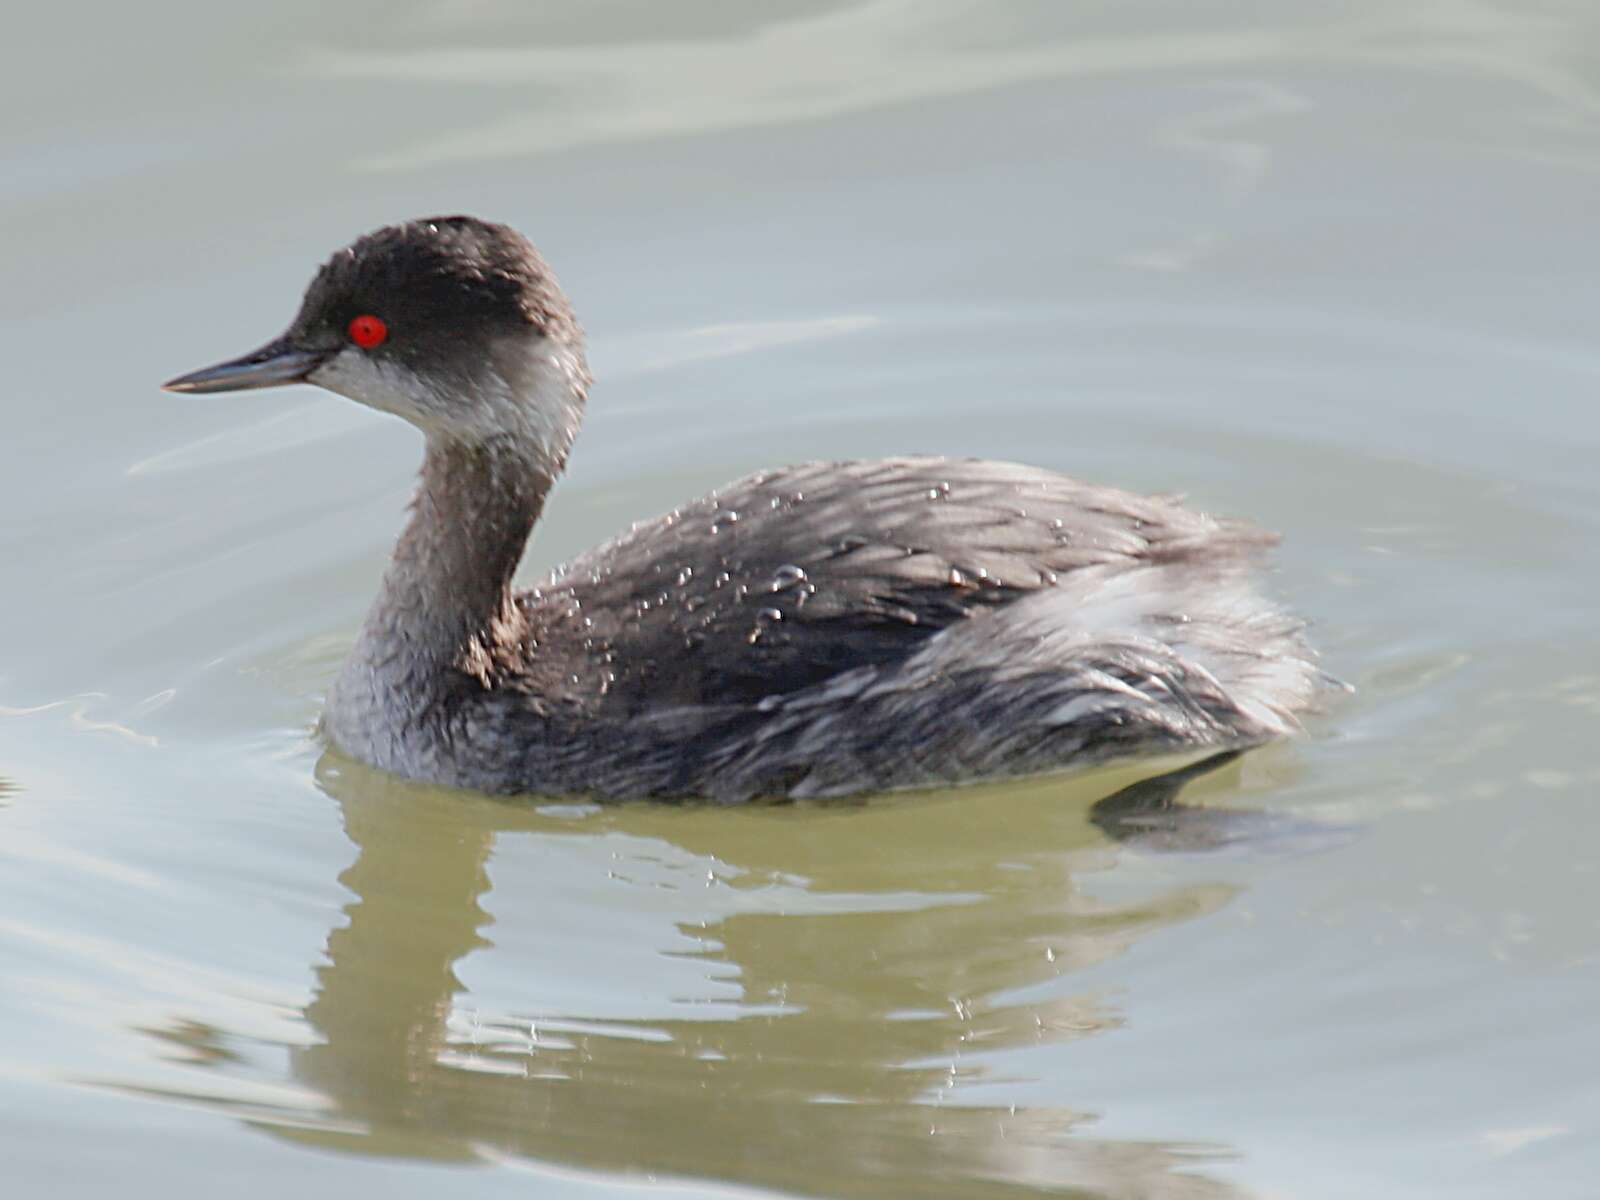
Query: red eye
point(368, 331)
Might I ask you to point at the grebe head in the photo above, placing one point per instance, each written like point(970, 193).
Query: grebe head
point(453, 323)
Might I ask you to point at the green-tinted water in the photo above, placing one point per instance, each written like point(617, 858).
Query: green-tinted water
point(1330, 266)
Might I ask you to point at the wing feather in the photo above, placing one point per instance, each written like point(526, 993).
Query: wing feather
point(786, 578)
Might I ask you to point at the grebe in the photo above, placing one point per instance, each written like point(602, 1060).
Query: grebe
point(814, 630)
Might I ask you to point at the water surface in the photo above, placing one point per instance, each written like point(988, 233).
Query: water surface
point(1331, 266)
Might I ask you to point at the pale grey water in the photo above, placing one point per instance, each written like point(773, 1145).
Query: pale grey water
point(1328, 265)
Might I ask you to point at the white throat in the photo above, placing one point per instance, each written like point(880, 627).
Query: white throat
point(529, 391)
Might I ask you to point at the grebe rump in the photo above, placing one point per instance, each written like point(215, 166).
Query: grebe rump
point(815, 630)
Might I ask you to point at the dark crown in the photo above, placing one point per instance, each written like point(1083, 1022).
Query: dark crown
point(437, 282)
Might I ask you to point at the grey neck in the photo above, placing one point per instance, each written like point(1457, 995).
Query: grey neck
point(445, 608)
point(450, 581)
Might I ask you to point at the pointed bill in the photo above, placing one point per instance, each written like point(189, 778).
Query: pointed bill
point(275, 364)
